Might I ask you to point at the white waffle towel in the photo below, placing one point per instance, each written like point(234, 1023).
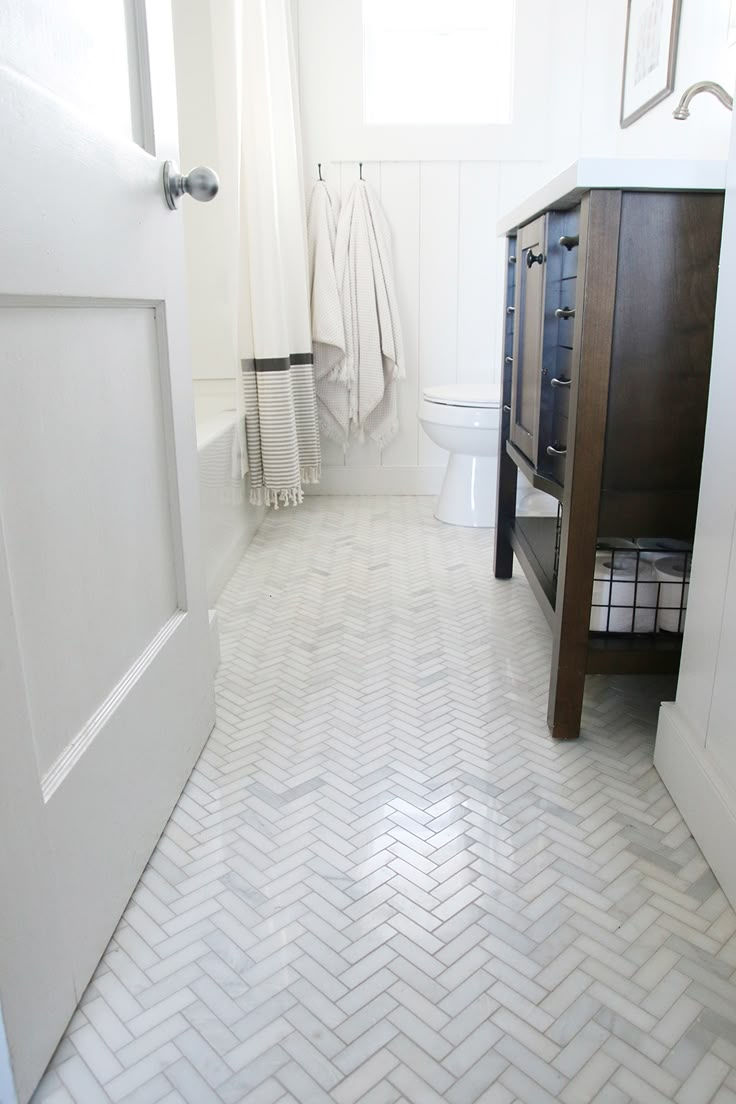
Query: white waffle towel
point(328, 330)
point(374, 358)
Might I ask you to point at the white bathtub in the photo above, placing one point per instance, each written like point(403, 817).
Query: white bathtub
point(229, 522)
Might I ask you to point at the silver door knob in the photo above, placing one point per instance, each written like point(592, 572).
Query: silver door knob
point(201, 184)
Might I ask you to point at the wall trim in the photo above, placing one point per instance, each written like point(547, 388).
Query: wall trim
point(214, 640)
point(377, 481)
point(707, 806)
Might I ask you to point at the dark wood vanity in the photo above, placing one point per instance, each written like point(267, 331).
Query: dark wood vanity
point(610, 298)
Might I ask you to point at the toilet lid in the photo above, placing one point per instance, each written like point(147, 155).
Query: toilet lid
point(461, 394)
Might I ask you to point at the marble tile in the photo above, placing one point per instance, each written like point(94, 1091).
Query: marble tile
point(384, 882)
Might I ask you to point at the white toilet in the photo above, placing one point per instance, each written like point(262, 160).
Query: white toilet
point(464, 419)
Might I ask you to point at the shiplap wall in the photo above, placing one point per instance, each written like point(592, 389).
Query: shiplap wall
point(448, 267)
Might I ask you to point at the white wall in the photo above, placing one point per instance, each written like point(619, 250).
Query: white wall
point(210, 275)
point(703, 54)
point(330, 52)
point(444, 189)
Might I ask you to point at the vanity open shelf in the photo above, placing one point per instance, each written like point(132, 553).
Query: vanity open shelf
point(610, 298)
point(534, 540)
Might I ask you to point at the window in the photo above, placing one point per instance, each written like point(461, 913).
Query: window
point(437, 62)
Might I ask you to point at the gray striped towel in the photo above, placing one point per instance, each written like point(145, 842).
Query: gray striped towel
point(281, 428)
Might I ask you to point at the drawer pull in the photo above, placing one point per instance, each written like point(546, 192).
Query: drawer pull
point(508, 360)
point(507, 409)
point(552, 451)
point(569, 241)
point(565, 312)
point(533, 258)
point(557, 382)
point(512, 259)
point(510, 310)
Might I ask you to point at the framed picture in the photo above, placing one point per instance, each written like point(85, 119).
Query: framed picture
point(649, 59)
point(732, 23)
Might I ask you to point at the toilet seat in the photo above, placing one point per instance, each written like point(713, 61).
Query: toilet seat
point(462, 394)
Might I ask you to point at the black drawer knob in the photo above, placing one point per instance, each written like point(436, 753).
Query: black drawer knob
point(534, 258)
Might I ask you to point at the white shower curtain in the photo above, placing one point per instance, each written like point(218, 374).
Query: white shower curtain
point(257, 115)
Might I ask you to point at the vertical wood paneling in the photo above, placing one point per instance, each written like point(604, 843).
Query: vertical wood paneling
point(438, 250)
point(448, 269)
point(400, 193)
point(479, 297)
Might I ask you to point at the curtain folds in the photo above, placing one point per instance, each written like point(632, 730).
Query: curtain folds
point(258, 117)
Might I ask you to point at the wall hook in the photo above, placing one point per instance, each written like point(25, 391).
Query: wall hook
point(360, 169)
point(319, 170)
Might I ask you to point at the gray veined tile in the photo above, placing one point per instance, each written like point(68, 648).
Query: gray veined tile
point(384, 883)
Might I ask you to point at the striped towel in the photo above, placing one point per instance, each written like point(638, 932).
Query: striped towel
point(281, 428)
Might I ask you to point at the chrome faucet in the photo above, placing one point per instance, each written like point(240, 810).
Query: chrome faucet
point(682, 111)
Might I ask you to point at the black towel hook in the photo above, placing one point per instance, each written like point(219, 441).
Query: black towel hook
point(319, 170)
point(360, 169)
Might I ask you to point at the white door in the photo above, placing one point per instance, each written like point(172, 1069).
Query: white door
point(105, 685)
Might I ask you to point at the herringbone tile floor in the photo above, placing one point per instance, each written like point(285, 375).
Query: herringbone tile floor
point(384, 882)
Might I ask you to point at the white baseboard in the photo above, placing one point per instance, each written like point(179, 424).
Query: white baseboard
point(214, 640)
point(219, 574)
point(707, 805)
point(378, 481)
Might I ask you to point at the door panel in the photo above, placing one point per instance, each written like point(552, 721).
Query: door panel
point(79, 50)
point(41, 978)
point(529, 316)
point(106, 693)
point(91, 442)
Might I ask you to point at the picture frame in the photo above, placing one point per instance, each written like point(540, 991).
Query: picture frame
point(652, 28)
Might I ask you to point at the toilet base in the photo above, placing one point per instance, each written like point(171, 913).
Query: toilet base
point(468, 495)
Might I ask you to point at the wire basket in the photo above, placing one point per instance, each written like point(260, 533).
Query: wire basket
point(640, 586)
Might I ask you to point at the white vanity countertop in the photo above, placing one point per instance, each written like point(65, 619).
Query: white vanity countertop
point(565, 189)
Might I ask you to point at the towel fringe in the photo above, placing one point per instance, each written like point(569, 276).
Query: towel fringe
point(333, 433)
point(287, 496)
point(341, 373)
point(386, 437)
point(312, 473)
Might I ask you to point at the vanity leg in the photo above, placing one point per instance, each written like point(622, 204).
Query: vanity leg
point(505, 512)
point(599, 234)
point(567, 683)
